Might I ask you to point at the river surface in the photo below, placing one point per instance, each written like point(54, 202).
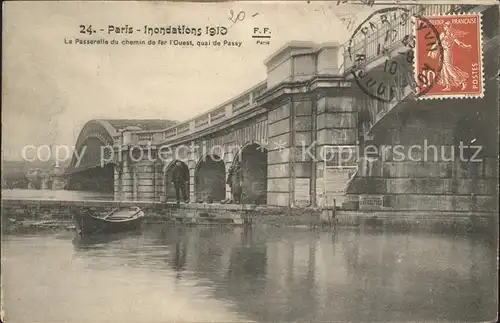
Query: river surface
point(232, 274)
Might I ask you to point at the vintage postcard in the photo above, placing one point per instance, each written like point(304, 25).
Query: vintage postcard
point(250, 161)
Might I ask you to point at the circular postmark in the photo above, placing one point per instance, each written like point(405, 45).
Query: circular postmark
point(394, 41)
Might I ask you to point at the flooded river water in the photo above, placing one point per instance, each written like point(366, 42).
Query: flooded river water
point(227, 274)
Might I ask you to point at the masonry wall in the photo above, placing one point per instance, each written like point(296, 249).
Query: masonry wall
point(336, 132)
point(433, 175)
point(118, 178)
point(159, 181)
point(288, 168)
point(127, 182)
point(278, 160)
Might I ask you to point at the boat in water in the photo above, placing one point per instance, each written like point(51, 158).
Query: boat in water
point(118, 220)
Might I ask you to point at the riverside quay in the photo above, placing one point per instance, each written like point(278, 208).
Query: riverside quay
point(314, 134)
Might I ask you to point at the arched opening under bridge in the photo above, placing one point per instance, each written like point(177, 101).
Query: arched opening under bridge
point(210, 179)
point(253, 162)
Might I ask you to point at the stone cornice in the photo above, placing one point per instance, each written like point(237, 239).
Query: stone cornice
point(315, 83)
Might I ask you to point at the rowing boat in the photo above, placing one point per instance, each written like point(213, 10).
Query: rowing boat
point(118, 220)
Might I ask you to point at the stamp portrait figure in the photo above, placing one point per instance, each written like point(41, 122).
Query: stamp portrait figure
point(451, 75)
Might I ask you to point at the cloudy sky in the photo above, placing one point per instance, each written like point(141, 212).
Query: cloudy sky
point(51, 88)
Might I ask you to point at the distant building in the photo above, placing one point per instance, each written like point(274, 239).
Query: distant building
point(32, 175)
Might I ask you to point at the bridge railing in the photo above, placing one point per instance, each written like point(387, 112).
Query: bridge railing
point(374, 45)
point(139, 137)
point(227, 110)
point(215, 116)
point(145, 137)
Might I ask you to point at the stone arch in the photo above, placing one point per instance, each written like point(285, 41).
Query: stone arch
point(210, 179)
point(253, 161)
point(168, 187)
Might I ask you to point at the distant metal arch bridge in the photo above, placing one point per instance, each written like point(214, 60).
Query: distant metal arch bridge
point(89, 169)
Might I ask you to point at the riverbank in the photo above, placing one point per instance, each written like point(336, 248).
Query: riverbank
point(35, 210)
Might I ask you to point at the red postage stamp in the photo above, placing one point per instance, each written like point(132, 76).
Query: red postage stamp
point(451, 65)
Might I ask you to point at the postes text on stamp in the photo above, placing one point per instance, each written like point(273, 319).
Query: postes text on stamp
point(461, 74)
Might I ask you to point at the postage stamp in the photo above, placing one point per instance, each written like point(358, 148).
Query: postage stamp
point(461, 53)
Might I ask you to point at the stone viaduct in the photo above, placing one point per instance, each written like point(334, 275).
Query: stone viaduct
point(301, 136)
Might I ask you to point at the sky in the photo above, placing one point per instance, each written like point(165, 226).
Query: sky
point(51, 89)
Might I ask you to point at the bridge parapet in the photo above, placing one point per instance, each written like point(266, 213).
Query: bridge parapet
point(240, 104)
point(219, 114)
point(146, 137)
point(306, 61)
point(138, 137)
point(302, 61)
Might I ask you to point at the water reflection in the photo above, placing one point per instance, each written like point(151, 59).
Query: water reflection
point(289, 274)
point(100, 241)
point(275, 274)
point(178, 239)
